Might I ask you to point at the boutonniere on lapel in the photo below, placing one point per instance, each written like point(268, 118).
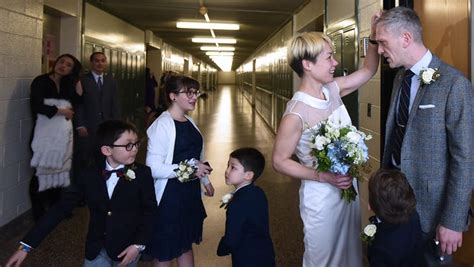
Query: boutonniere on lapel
point(129, 172)
point(225, 200)
point(368, 235)
point(429, 75)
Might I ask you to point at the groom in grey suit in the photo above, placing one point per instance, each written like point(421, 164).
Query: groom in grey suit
point(434, 144)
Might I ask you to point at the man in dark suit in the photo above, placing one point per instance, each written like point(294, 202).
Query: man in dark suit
point(100, 103)
point(429, 130)
point(397, 240)
point(121, 199)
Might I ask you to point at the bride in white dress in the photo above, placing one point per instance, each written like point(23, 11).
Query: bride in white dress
point(331, 225)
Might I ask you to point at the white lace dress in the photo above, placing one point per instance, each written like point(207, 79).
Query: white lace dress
point(331, 225)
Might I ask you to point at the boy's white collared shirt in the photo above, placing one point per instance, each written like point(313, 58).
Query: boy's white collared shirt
point(113, 180)
point(237, 189)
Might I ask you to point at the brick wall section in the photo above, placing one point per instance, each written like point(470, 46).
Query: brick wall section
point(21, 27)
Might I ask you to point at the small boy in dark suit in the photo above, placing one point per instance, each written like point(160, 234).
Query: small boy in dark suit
point(121, 199)
point(397, 240)
point(247, 234)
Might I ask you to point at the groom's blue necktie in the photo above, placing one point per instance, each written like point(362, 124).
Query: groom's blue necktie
point(401, 118)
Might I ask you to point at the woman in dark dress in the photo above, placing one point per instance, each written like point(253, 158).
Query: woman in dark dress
point(62, 82)
point(173, 138)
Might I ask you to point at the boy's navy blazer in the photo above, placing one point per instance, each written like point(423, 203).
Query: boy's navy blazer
point(396, 245)
point(247, 234)
point(114, 223)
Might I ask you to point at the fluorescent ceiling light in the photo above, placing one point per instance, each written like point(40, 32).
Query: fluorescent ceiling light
point(214, 40)
point(215, 48)
point(213, 53)
point(207, 25)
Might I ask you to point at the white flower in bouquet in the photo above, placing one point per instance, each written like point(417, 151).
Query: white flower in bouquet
point(354, 137)
point(321, 141)
point(332, 132)
point(186, 170)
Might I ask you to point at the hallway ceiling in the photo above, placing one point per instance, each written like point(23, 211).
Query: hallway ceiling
point(258, 20)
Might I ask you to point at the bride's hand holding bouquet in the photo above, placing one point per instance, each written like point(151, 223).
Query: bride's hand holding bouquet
point(338, 180)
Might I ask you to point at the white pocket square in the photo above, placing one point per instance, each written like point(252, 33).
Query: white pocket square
point(426, 106)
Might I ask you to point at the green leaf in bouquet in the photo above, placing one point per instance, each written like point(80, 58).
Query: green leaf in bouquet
point(324, 163)
point(344, 131)
point(349, 194)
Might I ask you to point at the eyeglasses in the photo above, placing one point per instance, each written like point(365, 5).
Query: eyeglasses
point(128, 146)
point(190, 93)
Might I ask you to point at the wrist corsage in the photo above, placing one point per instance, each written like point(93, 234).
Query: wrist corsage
point(368, 235)
point(225, 200)
point(429, 75)
point(186, 170)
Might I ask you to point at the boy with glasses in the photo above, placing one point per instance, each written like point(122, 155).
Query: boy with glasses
point(121, 200)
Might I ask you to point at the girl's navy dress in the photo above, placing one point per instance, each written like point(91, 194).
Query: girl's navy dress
point(181, 213)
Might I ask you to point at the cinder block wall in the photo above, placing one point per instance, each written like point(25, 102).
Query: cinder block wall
point(21, 28)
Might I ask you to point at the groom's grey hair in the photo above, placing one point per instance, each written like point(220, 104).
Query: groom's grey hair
point(399, 19)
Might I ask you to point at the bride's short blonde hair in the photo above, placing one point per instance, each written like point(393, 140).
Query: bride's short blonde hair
point(307, 45)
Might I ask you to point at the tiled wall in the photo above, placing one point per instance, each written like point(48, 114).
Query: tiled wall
point(21, 25)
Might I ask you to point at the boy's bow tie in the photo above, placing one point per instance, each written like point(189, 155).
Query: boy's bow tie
point(106, 174)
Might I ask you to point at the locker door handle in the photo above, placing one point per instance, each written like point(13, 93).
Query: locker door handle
point(345, 71)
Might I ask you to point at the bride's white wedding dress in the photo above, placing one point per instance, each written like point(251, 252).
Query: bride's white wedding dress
point(331, 225)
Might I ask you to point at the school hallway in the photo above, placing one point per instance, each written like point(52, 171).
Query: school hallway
point(227, 121)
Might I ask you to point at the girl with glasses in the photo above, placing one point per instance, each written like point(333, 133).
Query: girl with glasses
point(174, 138)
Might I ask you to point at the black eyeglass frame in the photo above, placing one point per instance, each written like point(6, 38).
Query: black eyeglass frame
point(190, 93)
point(129, 146)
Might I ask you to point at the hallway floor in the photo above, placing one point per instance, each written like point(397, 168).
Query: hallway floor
point(227, 122)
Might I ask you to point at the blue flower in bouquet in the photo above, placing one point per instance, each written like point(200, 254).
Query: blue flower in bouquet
point(335, 153)
point(340, 168)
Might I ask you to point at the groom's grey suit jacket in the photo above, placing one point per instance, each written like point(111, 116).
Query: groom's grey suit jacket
point(438, 148)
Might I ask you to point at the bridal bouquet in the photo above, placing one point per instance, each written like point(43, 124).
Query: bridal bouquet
point(186, 169)
point(340, 149)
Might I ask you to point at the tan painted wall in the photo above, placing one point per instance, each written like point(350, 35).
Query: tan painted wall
point(446, 30)
point(112, 30)
point(226, 77)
